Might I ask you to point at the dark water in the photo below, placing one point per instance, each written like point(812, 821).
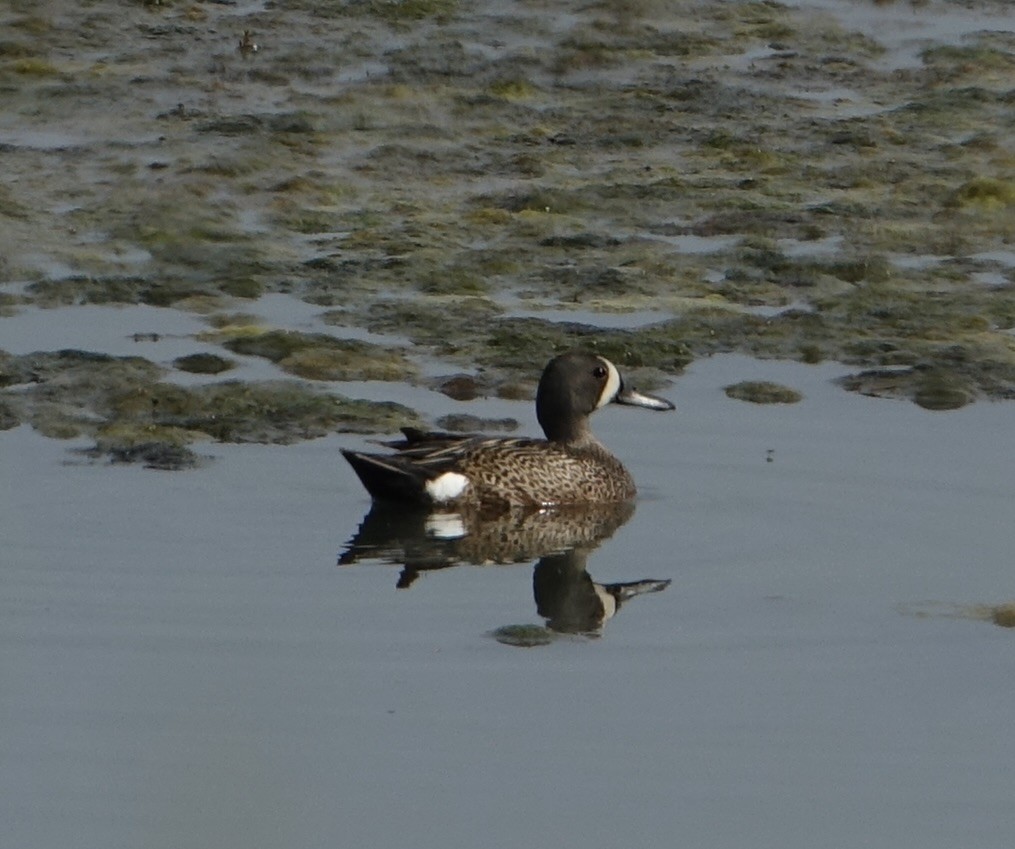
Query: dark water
point(185, 664)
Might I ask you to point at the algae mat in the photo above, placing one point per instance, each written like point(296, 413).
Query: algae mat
point(811, 181)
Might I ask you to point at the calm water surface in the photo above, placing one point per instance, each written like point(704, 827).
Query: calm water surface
point(184, 664)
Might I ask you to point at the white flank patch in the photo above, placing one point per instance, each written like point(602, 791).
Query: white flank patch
point(612, 384)
point(447, 487)
point(445, 526)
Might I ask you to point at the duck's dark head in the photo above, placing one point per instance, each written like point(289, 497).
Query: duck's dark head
point(576, 384)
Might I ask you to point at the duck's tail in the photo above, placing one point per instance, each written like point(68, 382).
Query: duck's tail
point(387, 478)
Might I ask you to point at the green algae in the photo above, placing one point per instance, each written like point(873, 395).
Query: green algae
point(318, 356)
point(273, 345)
point(74, 374)
point(980, 59)
point(454, 279)
point(445, 324)
point(10, 206)
point(762, 392)
point(569, 172)
point(933, 388)
point(168, 293)
point(344, 362)
point(9, 417)
point(279, 412)
point(524, 636)
point(28, 20)
point(1002, 615)
point(152, 455)
point(398, 11)
point(88, 290)
point(301, 219)
point(31, 66)
point(203, 363)
point(136, 418)
point(940, 389)
point(523, 345)
point(221, 320)
point(67, 391)
point(987, 193)
point(512, 88)
point(9, 304)
point(153, 446)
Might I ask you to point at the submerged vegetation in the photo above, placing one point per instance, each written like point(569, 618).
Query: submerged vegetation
point(135, 416)
point(319, 356)
point(763, 392)
point(757, 177)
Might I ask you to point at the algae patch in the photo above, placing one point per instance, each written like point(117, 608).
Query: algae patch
point(1002, 615)
point(203, 363)
point(271, 412)
point(930, 388)
point(705, 160)
point(8, 416)
point(318, 356)
point(154, 446)
point(134, 417)
point(762, 392)
point(524, 636)
point(987, 193)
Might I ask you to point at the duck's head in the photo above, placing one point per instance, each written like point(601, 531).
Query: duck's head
point(575, 385)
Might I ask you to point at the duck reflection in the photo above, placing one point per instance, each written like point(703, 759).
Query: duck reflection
point(560, 540)
point(571, 602)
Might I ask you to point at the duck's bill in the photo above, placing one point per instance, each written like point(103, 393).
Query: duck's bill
point(633, 398)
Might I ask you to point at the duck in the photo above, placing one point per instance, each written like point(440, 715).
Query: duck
point(449, 471)
point(572, 602)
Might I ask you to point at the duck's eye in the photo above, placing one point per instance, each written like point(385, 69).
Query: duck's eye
point(599, 372)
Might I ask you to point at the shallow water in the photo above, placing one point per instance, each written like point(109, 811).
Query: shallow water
point(185, 664)
point(182, 660)
point(905, 29)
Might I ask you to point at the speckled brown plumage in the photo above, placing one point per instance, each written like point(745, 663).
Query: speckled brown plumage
point(570, 466)
point(410, 537)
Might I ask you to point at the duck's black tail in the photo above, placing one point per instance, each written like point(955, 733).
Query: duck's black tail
point(388, 478)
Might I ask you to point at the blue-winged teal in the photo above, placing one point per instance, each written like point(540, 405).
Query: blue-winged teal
point(570, 466)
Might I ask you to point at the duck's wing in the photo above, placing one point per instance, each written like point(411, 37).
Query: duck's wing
point(421, 458)
point(414, 437)
point(442, 451)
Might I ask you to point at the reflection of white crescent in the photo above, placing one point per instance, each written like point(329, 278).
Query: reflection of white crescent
point(445, 526)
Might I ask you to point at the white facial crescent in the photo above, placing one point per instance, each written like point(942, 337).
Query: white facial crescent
point(612, 386)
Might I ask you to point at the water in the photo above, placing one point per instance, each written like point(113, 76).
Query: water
point(183, 662)
point(905, 29)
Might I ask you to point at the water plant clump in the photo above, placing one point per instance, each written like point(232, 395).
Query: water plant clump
point(134, 417)
point(9, 417)
point(318, 356)
point(203, 363)
point(762, 392)
point(766, 179)
point(524, 636)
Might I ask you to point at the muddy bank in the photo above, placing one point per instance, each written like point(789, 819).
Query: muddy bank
point(808, 181)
